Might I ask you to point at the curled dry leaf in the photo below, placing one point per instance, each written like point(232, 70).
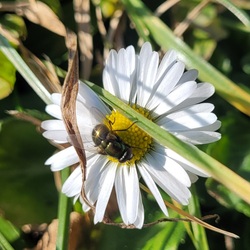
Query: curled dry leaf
point(68, 103)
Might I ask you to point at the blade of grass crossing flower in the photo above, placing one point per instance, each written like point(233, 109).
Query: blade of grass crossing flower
point(64, 209)
point(24, 70)
point(164, 37)
point(217, 170)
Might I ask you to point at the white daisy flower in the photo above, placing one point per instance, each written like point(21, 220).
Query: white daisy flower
point(118, 152)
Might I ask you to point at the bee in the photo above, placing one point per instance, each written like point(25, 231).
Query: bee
point(103, 140)
point(109, 143)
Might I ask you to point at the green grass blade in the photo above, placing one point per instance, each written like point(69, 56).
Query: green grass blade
point(240, 14)
point(8, 234)
point(217, 170)
point(4, 244)
point(199, 233)
point(63, 216)
point(163, 36)
point(24, 70)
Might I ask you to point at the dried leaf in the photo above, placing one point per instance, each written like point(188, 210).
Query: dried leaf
point(68, 104)
point(37, 12)
point(40, 13)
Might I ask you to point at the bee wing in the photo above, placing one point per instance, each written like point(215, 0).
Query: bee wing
point(88, 143)
point(98, 117)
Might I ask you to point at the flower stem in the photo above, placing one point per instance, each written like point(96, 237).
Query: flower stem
point(4, 244)
point(64, 209)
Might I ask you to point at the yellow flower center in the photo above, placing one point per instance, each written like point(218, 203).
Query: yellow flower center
point(130, 134)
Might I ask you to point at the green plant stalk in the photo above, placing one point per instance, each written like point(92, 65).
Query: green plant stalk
point(216, 169)
point(4, 244)
point(64, 209)
point(24, 70)
point(150, 26)
point(240, 14)
point(198, 231)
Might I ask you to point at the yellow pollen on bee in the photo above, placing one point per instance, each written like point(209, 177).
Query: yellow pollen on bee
point(138, 140)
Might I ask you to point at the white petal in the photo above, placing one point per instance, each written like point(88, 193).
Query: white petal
point(202, 92)
point(121, 193)
point(192, 177)
point(123, 75)
point(109, 74)
point(146, 50)
point(133, 62)
point(211, 127)
point(65, 158)
point(153, 188)
point(73, 185)
point(166, 63)
point(85, 207)
point(177, 96)
point(90, 99)
point(199, 137)
point(56, 98)
point(143, 58)
point(172, 167)
point(105, 192)
point(146, 76)
point(132, 187)
point(198, 108)
point(54, 110)
point(86, 119)
point(76, 198)
point(96, 173)
point(130, 54)
point(167, 182)
point(140, 217)
point(187, 122)
point(60, 136)
point(166, 84)
point(186, 164)
point(125, 72)
point(53, 125)
point(190, 75)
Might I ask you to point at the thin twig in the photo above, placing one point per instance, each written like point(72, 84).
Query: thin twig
point(165, 6)
point(109, 222)
point(112, 32)
point(82, 18)
point(100, 24)
point(192, 15)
